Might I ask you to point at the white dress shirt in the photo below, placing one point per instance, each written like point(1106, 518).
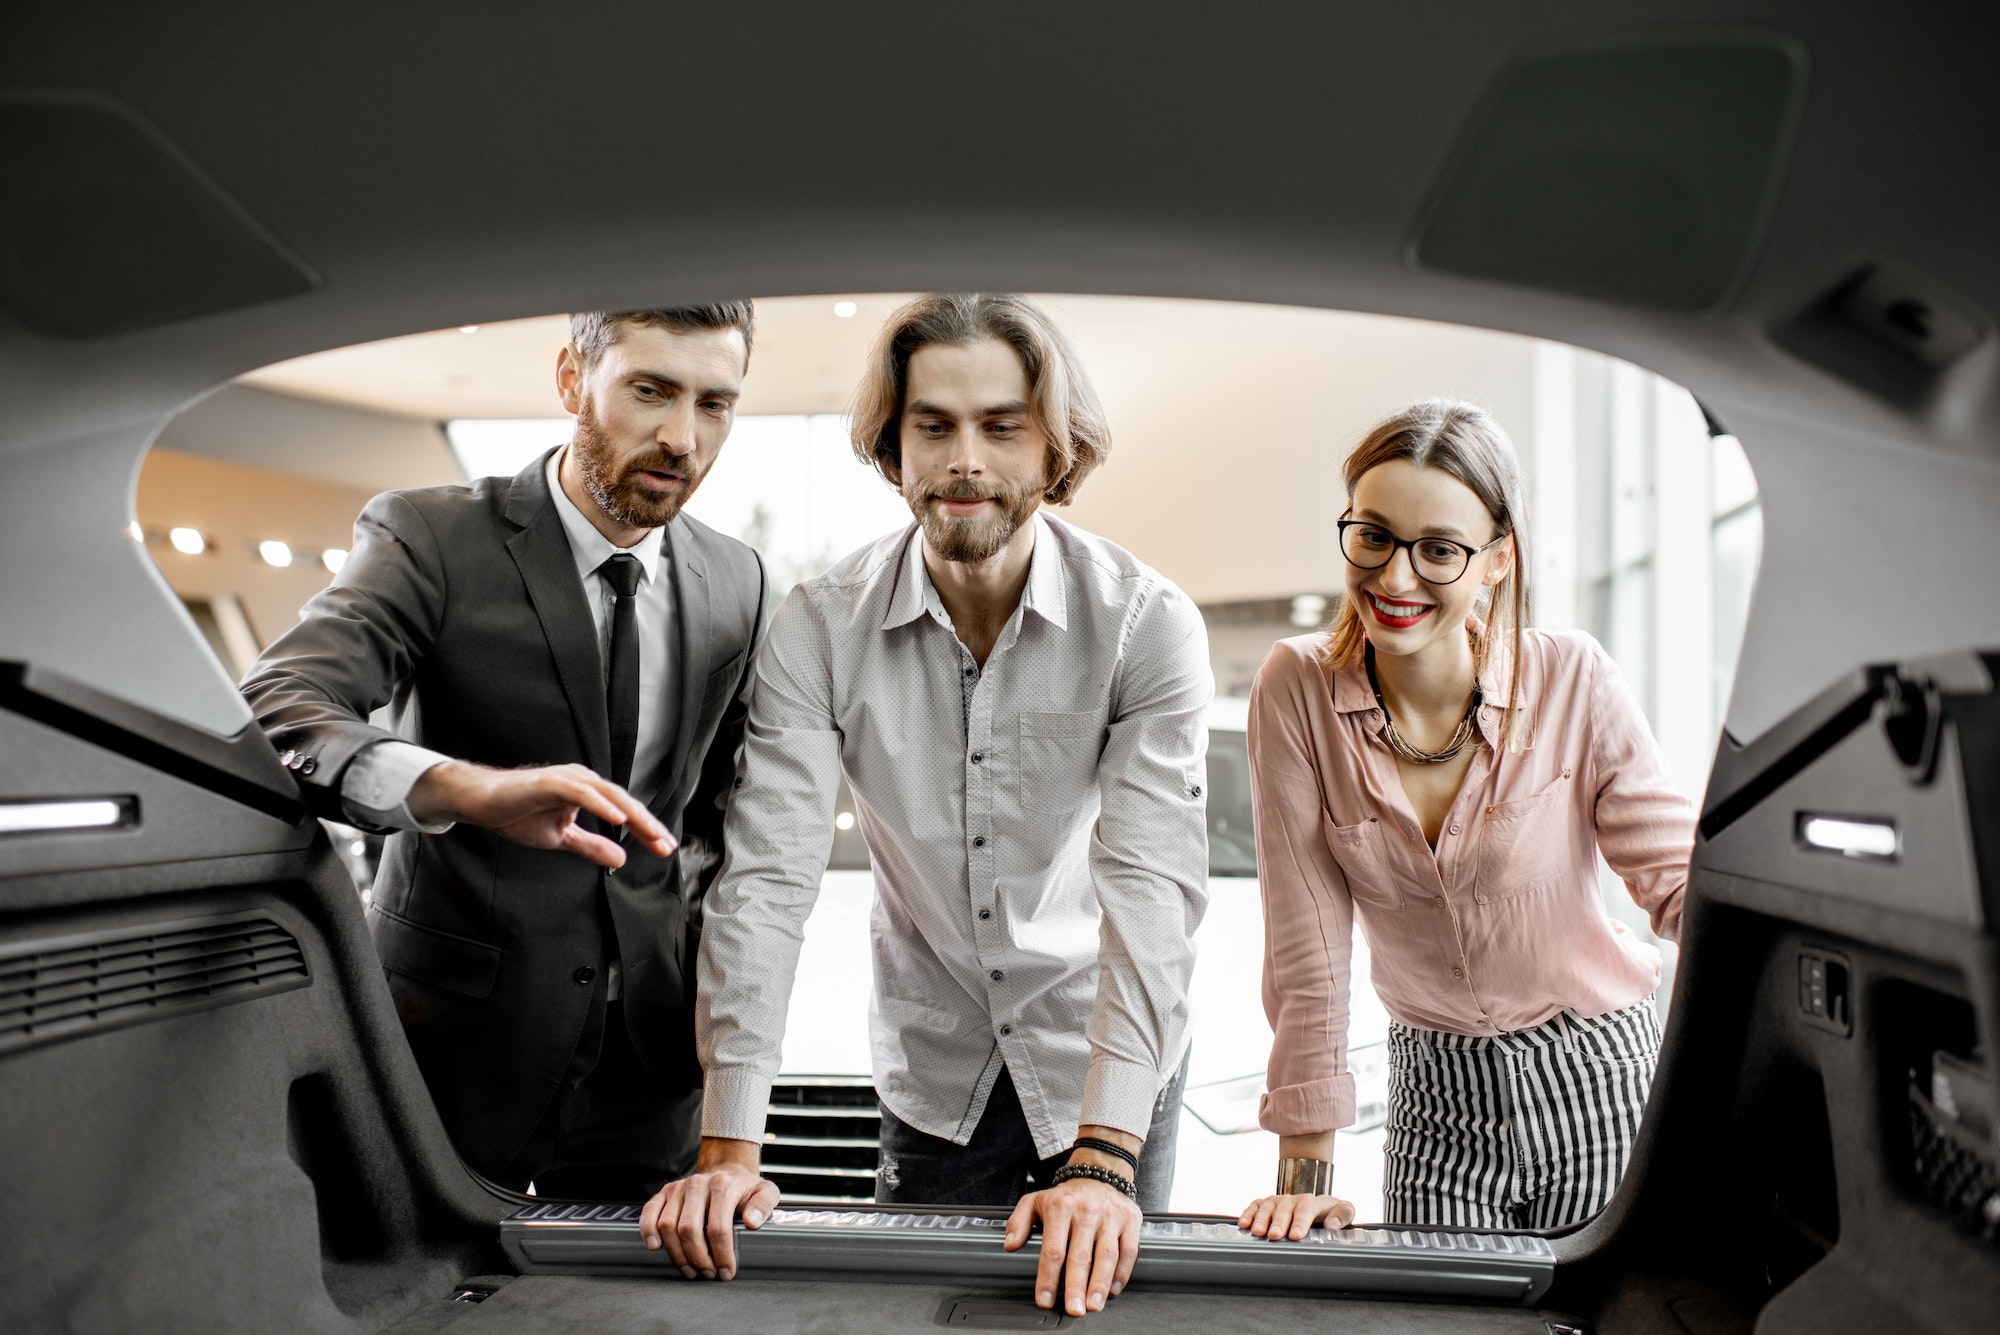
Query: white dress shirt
point(376, 788)
point(1037, 830)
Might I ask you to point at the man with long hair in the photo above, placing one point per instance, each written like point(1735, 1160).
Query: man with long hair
point(566, 655)
point(1019, 708)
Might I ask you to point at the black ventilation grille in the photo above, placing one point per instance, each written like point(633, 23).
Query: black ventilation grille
point(63, 987)
point(820, 1138)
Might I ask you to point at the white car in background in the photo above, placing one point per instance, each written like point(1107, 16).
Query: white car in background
point(820, 1141)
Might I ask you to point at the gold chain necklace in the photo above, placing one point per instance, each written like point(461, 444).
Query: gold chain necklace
point(1462, 736)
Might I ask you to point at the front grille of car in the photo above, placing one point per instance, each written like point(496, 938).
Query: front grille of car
point(820, 1138)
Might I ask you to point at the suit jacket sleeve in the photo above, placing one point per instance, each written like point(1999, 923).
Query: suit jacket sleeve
point(701, 823)
point(357, 641)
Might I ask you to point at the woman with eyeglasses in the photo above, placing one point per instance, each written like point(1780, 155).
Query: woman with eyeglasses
point(1437, 772)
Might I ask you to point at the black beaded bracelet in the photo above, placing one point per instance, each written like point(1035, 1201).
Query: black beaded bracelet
point(1095, 1174)
point(1106, 1147)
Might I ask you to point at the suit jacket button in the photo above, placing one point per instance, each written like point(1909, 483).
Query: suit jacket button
point(585, 976)
point(309, 764)
point(285, 758)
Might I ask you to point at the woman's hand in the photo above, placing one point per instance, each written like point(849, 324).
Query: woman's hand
point(1280, 1217)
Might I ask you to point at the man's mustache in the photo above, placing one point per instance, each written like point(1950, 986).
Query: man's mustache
point(683, 464)
point(960, 491)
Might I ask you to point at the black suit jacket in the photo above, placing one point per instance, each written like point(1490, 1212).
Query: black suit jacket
point(461, 608)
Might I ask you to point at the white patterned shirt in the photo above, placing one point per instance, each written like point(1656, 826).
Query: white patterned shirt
point(1037, 831)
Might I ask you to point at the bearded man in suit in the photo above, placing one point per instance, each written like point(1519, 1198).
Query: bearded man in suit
point(564, 656)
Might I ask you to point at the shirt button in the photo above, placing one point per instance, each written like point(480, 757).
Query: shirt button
point(997, 975)
point(979, 841)
point(1195, 791)
point(1006, 1029)
point(1458, 973)
point(978, 756)
point(584, 976)
point(1440, 901)
point(984, 914)
point(1454, 829)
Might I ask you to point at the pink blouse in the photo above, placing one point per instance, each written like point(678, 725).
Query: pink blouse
point(1501, 928)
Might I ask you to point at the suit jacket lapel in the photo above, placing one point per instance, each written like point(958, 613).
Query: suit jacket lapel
point(691, 600)
point(541, 551)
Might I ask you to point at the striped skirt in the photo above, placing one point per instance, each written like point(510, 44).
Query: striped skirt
point(1524, 1130)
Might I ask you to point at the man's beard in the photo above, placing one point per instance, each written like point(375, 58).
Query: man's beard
point(622, 495)
point(976, 539)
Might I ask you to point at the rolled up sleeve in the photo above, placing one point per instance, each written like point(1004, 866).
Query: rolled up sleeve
point(1308, 912)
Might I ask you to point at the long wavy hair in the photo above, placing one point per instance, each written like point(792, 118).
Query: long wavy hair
point(1464, 441)
point(1065, 406)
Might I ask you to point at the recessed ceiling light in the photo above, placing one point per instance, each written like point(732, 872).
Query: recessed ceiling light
point(468, 329)
point(275, 553)
point(844, 821)
point(333, 558)
point(187, 541)
point(845, 309)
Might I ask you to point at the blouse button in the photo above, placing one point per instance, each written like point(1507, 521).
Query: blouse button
point(1489, 811)
point(1440, 901)
point(1565, 774)
point(1454, 829)
point(1458, 973)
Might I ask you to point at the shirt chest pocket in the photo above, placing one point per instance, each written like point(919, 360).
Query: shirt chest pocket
point(1524, 846)
point(1364, 857)
point(1057, 761)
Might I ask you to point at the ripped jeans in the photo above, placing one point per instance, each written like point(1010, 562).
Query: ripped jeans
point(999, 1165)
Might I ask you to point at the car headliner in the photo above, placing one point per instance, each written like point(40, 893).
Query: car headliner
point(446, 164)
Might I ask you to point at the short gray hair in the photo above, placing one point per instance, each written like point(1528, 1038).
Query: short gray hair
point(591, 332)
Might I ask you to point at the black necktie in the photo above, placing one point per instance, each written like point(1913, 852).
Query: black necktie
point(621, 688)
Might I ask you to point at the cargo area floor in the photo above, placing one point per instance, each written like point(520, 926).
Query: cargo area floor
point(554, 1305)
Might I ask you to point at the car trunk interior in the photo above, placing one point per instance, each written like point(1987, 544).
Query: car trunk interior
point(210, 1118)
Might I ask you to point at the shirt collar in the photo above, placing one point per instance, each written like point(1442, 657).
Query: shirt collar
point(1045, 596)
point(916, 596)
point(587, 546)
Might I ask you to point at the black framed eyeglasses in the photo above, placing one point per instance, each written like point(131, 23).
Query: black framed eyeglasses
point(1369, 546)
